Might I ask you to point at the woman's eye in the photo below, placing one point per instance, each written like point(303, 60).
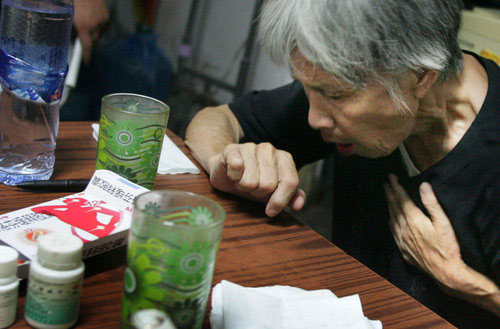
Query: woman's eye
point(329, 96)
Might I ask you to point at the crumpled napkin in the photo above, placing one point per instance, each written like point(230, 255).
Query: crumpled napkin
point(284, 307)
point(172, 160)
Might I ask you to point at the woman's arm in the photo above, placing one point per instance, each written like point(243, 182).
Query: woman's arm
point(431, 245)
point(210, 131)
point(254, 171)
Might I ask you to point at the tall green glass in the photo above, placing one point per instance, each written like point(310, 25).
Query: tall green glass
point(131, 134)
point(171, 254)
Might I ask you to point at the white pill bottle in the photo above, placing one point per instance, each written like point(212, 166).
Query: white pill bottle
point(55, 282)
point(9, 285)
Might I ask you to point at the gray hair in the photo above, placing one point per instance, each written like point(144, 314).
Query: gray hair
point(362, 40)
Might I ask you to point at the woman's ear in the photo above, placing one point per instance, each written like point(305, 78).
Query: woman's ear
point(424, 82)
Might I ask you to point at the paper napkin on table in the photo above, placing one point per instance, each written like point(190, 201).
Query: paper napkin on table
point(172, 160)
point(284, 307)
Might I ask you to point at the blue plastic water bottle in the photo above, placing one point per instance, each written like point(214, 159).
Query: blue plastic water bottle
point(34, 43)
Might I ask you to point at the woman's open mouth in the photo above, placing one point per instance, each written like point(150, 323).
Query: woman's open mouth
point(345, 149)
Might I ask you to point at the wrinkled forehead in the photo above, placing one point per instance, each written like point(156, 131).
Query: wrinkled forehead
point(313, 75)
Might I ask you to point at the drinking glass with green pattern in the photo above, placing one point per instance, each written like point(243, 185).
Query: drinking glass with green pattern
point(172, 247)
point(131, 134)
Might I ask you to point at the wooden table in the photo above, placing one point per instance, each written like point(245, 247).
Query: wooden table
point(255, 250)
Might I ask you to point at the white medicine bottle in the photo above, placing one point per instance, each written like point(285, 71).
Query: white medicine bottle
point(55, 282)
point(9, 285)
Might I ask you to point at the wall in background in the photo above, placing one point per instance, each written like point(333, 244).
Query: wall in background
point(218, 43)
point(221, 31)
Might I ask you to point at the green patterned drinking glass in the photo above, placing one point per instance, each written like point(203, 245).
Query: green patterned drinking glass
point(171, 254)
point(131, 135)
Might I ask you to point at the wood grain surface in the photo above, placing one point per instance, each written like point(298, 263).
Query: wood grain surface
point(255, 250)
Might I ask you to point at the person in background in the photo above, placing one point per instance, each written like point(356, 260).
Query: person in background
point(410, 118)
point(92, 16)
point(121, 54)
point(89, 20)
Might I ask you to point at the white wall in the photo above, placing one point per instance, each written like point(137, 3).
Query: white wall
point(218, 42)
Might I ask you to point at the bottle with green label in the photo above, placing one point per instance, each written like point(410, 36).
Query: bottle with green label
point(55, 282)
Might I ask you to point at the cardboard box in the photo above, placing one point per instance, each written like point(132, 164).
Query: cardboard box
point(100, 216)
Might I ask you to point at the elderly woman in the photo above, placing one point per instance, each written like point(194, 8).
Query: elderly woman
point(383, 85)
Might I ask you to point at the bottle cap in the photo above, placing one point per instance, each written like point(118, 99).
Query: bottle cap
point(151, 319)
point(59, 251)
point(8, 264)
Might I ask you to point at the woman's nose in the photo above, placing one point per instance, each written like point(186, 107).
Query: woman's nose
point(318, 117)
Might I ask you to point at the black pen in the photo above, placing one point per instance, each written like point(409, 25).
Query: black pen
point(65, 185)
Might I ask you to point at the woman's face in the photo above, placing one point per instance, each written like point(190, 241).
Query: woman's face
point(364, 122)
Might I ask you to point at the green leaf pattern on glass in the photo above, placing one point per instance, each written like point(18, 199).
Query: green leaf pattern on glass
point(152, 209)
point(189, 215)
point(124, 138)
point(185, 312)
point(130, 150)
point(169, 275)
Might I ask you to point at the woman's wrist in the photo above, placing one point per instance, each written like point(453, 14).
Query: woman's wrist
point(464, 282)
point(462, 278)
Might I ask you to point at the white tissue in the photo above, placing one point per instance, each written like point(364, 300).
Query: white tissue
point(280, 307)
point(172, 160)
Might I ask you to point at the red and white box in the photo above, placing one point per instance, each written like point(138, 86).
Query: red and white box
point(100, 216)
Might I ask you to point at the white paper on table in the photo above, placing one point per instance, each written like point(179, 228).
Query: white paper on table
point(284, 307)
point(172, 160)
